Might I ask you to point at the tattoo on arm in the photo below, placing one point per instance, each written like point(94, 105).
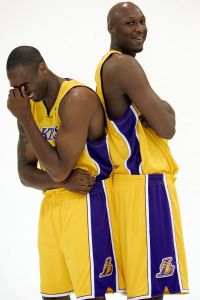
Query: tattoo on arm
point(24, 149)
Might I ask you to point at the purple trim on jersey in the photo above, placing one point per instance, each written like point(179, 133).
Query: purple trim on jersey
point(68, 79)
point(162, 249)
point(101, 241)
point(98, 151)
point(126, 125)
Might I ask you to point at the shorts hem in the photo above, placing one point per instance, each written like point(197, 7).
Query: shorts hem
point(182, 292)
point(56, 294)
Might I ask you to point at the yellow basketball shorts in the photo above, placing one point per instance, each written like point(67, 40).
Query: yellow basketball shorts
point(152, 251)
point(75, 243)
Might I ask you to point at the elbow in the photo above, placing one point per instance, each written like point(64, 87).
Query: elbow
point(168, 134)
point(23, 180)
point(171, 134)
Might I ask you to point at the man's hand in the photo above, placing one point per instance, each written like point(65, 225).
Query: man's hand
point(80, 181)
point(18, 105)
point(144, 122)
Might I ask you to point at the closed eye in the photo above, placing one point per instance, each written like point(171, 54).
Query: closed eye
point(130, 23)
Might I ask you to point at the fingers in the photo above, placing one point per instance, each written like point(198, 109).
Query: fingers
point(88, 182)
point(86, 187)
point(86, 178)
point(11, 94)
point(85, 190)
point(144, 122)
point(14, 94)
point(81, 171)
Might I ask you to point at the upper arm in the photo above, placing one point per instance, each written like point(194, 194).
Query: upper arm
point(25, 154)
point(133, 83)
point(76, 111)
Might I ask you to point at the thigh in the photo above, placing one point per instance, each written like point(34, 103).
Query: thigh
point(54, 276)
point(89, 233)
point(151, 242)
point(131, 217)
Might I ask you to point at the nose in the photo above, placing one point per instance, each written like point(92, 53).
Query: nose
point(140, 28)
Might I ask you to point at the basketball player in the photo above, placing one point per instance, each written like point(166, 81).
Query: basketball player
point(62, 123)
point(151, 242)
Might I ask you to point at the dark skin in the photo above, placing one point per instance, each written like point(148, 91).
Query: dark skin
point(81, 117)
point(30, 175)
point(127, 27)
point(80, 106)
point(80, 181)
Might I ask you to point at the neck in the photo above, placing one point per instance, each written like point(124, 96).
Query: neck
point(113, 46)
point(53, 87)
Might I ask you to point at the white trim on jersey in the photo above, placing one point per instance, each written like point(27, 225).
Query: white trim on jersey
point(109, 154)
point(94, 161)
point(110, 227)
point(137, 135)
point(127, 144)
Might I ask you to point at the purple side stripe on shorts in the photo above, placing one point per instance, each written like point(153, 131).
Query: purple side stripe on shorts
point(104, 263)
point(162, 245)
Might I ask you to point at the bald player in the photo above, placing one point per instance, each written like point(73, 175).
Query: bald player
point(139, 122)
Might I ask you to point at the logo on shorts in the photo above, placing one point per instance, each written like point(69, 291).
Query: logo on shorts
point(107, 268)
point(166, 268)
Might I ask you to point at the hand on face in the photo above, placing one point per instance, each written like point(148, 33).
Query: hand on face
point(18, 103)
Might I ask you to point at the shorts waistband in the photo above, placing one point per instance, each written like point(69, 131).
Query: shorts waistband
point(61, 191)
point(99, 185)
point(151, 177)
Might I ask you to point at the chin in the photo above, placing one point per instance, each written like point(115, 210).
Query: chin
point(137, 50)
point(36, 99)
point(134, 51)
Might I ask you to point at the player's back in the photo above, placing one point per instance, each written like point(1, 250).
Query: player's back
point(133, 148)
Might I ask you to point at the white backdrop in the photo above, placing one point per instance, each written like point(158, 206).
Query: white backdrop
point(72, 37)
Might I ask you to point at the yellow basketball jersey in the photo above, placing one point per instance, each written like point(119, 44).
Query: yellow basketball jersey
point(90, 160)
point(133, 148)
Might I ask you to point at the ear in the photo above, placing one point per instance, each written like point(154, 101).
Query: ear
point(42, 69)
point(111, 29)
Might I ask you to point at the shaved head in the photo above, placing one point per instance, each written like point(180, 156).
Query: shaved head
point(119, 10)
point(127, 27)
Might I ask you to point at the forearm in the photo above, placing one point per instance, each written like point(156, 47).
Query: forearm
point(45, 153)
point(79, 181)
point(33, 177)
point(170, 111)
point(169, 108)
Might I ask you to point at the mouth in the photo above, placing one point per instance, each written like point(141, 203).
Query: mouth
point(138, 38)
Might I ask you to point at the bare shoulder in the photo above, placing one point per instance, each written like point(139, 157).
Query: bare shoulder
point(80, 98)
point(122, 63)
point(81, 92)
